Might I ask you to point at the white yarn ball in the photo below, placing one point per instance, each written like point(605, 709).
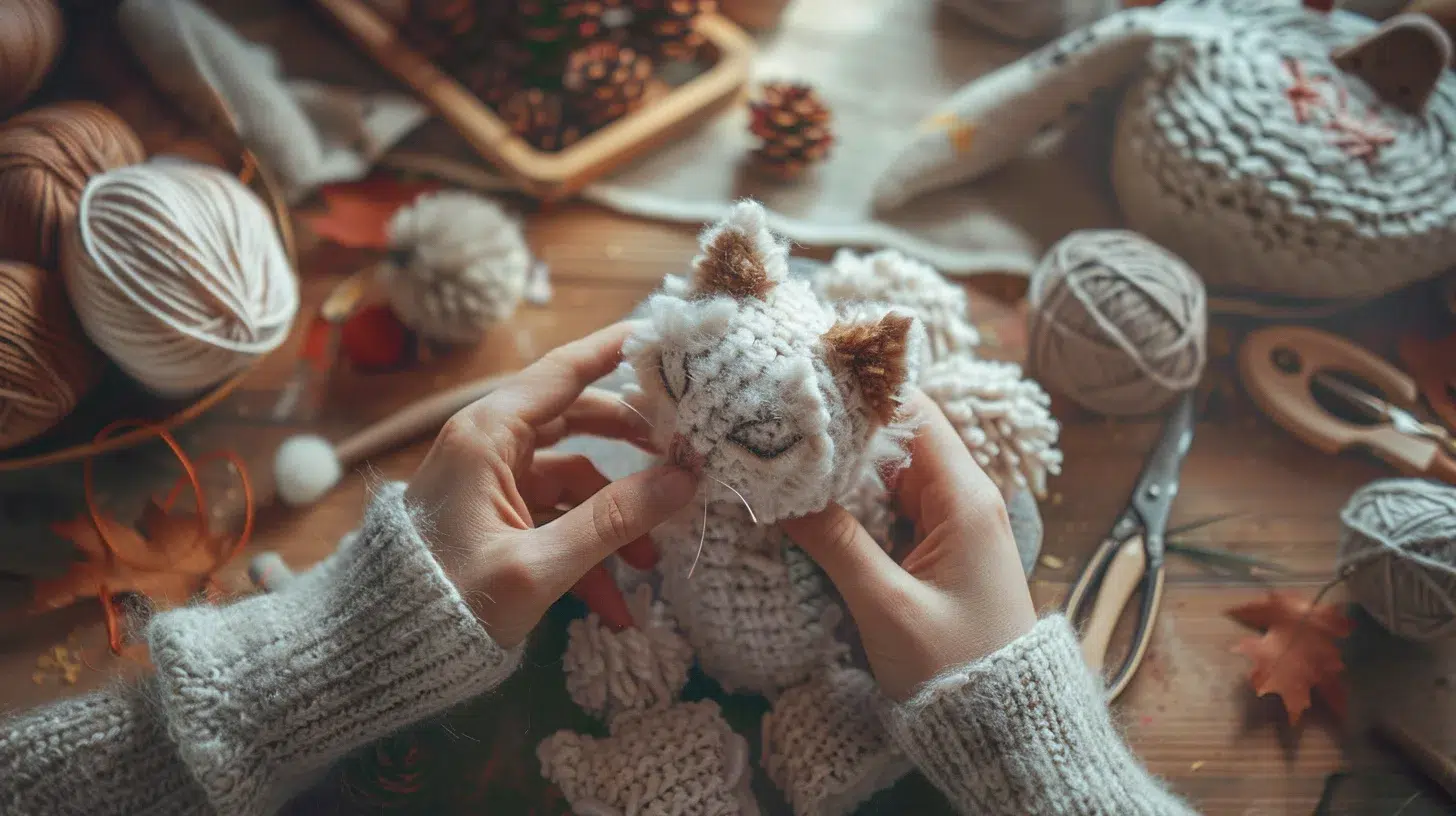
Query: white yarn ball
point(304, 469)
point(178, 274)
point(459, 264)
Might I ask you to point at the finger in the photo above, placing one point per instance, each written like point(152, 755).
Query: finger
point(546, 388)
point(573, 479)
point(942, 475)
point(555, 478)
point(639, 554)
point(597, 412)
point(618, 514)
point(601, 595)
point(849, 555)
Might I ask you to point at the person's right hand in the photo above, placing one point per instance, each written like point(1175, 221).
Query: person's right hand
point(958, 596)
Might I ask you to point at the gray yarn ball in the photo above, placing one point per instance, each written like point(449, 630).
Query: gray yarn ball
point(1398, 555)
point(1117, 323)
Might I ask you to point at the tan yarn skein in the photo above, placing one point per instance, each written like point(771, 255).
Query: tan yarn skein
point(46, 365)
point(31, 32)
point(1117, 323)
point(46, 157)
point(177, 272)
point(1398, 555)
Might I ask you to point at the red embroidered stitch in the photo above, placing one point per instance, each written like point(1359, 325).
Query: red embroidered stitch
point(1305, 94)
point(1361, 137)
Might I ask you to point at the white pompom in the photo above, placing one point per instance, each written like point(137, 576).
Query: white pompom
point(459, 264)
point(1003, 418)
point(889, 277)
point(304, 469)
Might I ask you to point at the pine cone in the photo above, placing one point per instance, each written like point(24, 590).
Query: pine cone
point(667, 29)
point(494, 78)
point(605, 82)
point(450, 29)
point(539, 117)
point(794, 126)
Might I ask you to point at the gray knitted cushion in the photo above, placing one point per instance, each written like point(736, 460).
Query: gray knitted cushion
point(1212, 161)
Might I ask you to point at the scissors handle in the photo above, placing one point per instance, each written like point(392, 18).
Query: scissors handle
point(1107, 584)
point(1278, 364)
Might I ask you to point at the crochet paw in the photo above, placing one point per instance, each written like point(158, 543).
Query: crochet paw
point(608, 673)
point(683, 760)
point(825, 747)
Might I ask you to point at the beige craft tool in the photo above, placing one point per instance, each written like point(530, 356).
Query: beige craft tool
point(1284, 367)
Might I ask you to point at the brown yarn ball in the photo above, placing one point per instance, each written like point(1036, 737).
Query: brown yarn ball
point(46, 157)
point(30, 40)
point(46, 363)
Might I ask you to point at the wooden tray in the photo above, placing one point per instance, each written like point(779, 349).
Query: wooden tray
point(554, 176)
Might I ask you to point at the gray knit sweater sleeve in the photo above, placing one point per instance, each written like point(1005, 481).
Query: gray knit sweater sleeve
point(1026, 731)
point(250, 700)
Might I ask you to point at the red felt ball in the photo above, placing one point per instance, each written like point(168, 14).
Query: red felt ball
point(374, 338)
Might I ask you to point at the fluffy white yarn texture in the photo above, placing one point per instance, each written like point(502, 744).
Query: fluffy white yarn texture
point(177, 272)
point(458, 265)
point(1003, 418)
point(304, 469)
point(890, 277)
point(633, 670)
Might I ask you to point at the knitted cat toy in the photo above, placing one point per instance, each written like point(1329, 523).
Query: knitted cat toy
point(784, 394)
point(1275, 148)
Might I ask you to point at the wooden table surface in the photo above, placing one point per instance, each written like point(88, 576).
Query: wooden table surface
point(1188, 714)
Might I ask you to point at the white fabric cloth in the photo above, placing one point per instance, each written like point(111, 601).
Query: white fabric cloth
point(881, 66)
point(307, 133)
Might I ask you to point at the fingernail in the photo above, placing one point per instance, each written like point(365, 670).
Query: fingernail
point(674, 484)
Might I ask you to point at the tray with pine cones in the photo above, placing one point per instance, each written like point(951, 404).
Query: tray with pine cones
point(556, 93)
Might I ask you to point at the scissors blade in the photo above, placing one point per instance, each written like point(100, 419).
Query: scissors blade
point(1158, 484)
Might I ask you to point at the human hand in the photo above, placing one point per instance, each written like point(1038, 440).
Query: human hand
point(486, 477)
point(958, 596)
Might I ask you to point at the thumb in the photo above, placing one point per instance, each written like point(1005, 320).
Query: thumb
point(619, 514)
point(849, 555)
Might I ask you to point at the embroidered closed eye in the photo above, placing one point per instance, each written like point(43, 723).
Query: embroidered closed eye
point(672, 367)
point(765, 438)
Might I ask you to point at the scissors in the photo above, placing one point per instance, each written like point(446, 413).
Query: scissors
point(1287, 368)
point(1131, 558)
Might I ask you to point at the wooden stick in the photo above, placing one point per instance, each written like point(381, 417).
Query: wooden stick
point(412, 422)
point(1432, 764)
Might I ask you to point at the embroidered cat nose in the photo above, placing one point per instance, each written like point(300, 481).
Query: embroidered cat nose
point(680, 452)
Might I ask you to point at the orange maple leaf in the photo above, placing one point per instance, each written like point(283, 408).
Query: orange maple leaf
point(169, 564)
point(1298, 652)
point(357, 213)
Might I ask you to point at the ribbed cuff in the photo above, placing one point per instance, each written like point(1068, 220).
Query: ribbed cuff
point(266, 691)
point(98, 754)
point(1026, 730)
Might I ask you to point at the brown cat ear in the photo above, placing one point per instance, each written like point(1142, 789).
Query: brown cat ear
point(740, 258)
point(877, 356)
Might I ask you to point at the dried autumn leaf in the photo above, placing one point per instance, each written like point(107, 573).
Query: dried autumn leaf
point(1298, 652)
point(168, 565)
point(358, 213)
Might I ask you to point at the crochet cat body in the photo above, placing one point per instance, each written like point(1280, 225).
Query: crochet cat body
point(1275, 148)
point(785, 398)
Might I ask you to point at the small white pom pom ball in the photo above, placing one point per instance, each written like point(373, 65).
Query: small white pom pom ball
point(304, 469)
point(459, 264)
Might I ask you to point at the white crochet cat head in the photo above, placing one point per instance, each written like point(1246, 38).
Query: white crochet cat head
point(749, 379)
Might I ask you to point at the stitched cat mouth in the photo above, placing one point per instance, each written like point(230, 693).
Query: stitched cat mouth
point(680, 452)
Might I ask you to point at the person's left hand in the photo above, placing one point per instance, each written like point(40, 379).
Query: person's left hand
point(487, 476)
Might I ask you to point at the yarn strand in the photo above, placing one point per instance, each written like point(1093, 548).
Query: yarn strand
point(113, 555)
